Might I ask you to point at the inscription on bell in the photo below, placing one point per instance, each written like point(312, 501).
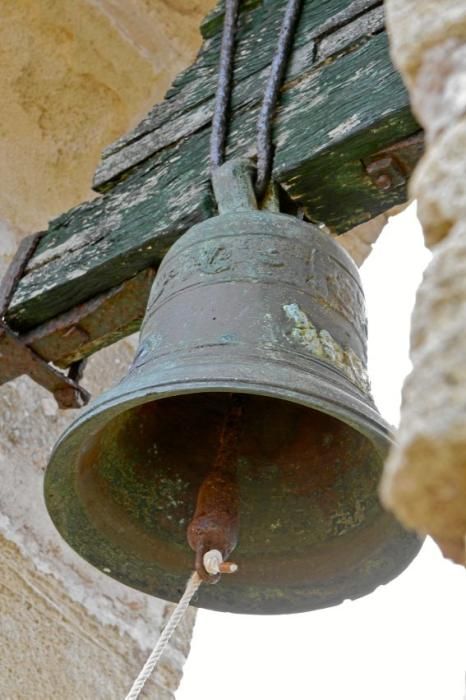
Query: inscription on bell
point(214, 258)
point(295, 265)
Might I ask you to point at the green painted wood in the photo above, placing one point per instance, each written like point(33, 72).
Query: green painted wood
point(88, 327)
point(342, 102)
point(189, 102)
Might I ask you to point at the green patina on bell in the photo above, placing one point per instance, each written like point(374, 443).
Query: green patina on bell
point(263, 305)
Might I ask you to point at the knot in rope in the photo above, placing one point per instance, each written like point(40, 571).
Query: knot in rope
point(213, 564)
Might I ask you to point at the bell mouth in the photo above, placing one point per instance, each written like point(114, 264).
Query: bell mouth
point(312, 531)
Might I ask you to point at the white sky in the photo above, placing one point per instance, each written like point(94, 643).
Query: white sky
point(406, 641)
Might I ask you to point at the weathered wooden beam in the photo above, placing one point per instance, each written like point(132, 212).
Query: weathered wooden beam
point(324, 30)
point(342, 103)
point(88, 327)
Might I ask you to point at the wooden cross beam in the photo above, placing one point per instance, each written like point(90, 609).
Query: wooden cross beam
point(346, 142)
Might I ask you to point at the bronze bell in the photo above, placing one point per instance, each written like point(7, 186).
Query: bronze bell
point(264, 306)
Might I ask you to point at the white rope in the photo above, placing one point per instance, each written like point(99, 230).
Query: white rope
point(191, 587)
point(213, 564)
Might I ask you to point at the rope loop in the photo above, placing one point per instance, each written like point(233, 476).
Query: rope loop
point(219, 132)
point(265, 149)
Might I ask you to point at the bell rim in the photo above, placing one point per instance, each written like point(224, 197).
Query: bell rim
point(376, 431)
point(379, 427)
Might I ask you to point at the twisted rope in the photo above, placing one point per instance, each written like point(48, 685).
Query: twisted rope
point(213, 564)
point(191, 588)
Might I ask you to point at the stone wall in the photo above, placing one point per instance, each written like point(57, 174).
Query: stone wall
point(425, 478)
point(73, 77)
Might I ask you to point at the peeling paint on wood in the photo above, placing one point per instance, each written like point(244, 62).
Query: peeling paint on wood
point(335, 112)
point(85, 329)
point(366, 25)
point(191, 98)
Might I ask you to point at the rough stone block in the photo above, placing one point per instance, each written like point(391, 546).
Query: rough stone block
point(439, 184)
point(417, 25)
point(425, 477)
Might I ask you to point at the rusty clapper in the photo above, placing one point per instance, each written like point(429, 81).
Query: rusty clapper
point(260, 309)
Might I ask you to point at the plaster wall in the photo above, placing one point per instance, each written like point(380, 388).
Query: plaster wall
point(74, 76)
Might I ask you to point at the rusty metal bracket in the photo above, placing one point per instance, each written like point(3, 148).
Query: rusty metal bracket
point(17, 358)
point(96, 323)
point(392, 167)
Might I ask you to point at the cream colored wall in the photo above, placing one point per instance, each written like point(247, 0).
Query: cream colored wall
point(425, 478)
point(74, 75)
